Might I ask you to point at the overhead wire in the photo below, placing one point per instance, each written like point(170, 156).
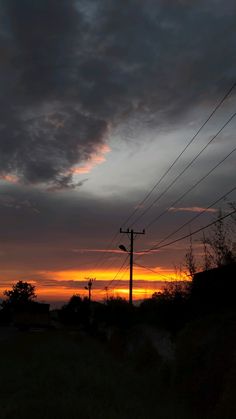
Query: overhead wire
point(220, 103)
point(119, 279)
point(183, 171)
point(103, 258)
point(192, 187)
point(120, 269)
point(190, 190)
point(140, 204)
point(198, 215)
point(158, 247)
point(152, 270)
point(181, 227)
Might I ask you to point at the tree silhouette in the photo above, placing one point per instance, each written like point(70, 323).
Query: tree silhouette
point(21, 293)
point(220, 244)
point(190, 261)
point(76, 311)
point(207, 258)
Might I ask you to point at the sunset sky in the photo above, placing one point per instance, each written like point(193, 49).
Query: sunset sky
point(98, 98)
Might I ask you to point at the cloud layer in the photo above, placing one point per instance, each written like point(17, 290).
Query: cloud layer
point(72, 72)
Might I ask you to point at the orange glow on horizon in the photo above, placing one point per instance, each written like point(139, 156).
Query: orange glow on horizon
point(107, 275)
point(53, 285)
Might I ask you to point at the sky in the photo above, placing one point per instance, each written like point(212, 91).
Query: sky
point(98, 98)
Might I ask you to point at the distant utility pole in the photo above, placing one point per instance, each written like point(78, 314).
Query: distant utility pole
point(107, 295)
point(89, 286)
point(131, 234)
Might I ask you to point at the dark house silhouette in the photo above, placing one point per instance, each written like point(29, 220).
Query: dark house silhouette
point(215, 288)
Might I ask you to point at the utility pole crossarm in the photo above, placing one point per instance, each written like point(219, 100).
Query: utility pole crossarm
point(129, 231)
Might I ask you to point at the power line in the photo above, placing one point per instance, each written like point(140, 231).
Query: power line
point(198, 215)
point(141, 266)
point(157, 247)
point(106, 288)
point(192, 187)
point(102, 259)
point(181, 227)
point(180, 155)
point(183, 171)
point(151, 270)
point(112, 280)
point(120, 279)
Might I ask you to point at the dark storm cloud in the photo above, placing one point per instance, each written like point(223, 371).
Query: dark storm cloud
point(44, 129)
point(72, 71)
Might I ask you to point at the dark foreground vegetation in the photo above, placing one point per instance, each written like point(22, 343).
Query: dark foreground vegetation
point(174, 356)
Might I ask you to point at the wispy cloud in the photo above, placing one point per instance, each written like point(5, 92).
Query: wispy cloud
point(192, 209)
point(9, 201)
point(94, 159)
point(9, 178)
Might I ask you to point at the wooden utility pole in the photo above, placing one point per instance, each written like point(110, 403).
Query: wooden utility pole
point(131, 234)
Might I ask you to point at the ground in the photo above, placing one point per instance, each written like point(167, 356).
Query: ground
point(68, 374)
point(65, 375)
